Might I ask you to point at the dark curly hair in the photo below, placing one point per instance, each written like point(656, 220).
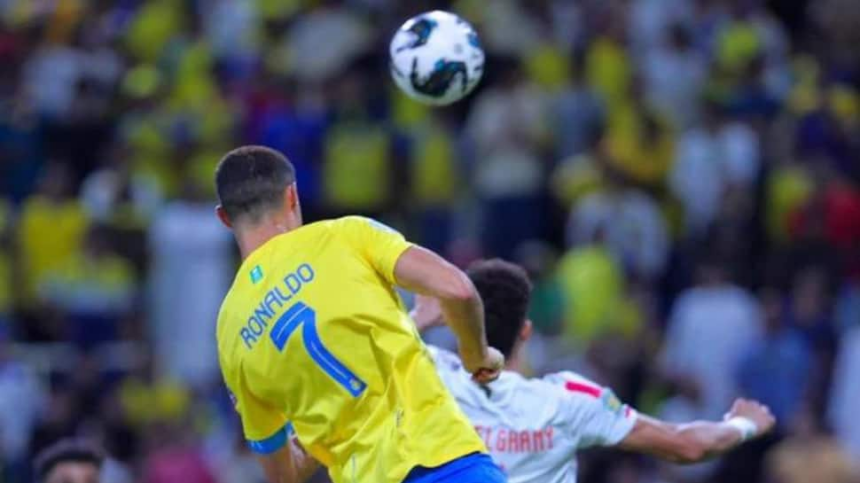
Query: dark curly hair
point(506, 291)
point(66, 451)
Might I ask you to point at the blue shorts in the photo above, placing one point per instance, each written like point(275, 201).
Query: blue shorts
point(473, 468)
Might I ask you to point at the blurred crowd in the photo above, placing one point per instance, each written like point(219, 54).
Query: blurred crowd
point(681, 178)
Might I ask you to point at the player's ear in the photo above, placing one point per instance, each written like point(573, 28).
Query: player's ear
point(526, 331)
point(221, 213)
point(293, 202)
point(293, 197)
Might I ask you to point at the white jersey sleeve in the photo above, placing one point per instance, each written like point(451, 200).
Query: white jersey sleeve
point(594, 415)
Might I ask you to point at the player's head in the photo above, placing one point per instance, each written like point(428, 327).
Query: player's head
point(506, 291)
point(69, 461)
point(254, 182)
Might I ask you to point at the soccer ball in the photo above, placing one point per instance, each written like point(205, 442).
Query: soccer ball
point(436, 58)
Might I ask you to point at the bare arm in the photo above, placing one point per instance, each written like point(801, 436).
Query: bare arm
point(700, 440)
point(306, 465)
point(279, 466)
point(290, 464)
point(425, 273)
point(680, 443)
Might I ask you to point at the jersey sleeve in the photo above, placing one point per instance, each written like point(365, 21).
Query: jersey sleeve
point(592, 414)
point(378, 244)
point(266, 428)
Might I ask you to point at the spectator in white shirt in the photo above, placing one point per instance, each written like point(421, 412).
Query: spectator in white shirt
point(711, 159)
point(631, 223)
point(674, 74)
point(712, 326)
point(846, 393)
point(190, 272)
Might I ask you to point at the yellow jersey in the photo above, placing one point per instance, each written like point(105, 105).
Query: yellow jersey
point(313, 338)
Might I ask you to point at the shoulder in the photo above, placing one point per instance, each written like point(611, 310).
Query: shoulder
point(312, 233)
point(348, 226)
point(561, 378)
point(575, 386)
point(585, 399)
point(346, 221)
point(355, 222)
point(321, 226)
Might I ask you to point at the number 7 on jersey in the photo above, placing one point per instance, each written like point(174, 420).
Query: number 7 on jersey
point(300, 314)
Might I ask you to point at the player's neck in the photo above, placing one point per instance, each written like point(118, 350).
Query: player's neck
point(515, 363)
point(251, 237)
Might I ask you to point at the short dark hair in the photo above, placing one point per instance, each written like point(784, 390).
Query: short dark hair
point(251, 180)
point(506, 291)
point(70, 450)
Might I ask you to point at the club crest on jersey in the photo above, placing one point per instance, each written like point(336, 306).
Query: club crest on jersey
point(611, 401)
point(256, 274)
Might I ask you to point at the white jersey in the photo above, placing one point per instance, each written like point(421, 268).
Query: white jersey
point(534, 427)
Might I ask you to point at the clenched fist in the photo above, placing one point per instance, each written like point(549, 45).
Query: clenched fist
point(484, 369)
point(756, 412)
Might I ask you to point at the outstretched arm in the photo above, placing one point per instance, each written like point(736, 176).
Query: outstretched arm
point(700, 440)
point(425, 273)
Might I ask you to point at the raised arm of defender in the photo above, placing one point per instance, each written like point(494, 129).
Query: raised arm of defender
point(700, 440)
point(423, 272)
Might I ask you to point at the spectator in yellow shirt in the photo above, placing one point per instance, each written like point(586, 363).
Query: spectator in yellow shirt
point(51, 228)
point(639, 142)
point(357, 165)
point(94, 290)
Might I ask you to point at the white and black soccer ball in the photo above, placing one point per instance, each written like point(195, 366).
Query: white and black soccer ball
point(436, 58)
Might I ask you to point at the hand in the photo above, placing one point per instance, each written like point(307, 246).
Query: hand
point(486, 368)
point(755, 412)
point(427, 312)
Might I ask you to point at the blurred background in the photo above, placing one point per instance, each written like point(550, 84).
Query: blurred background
point(680, 177)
